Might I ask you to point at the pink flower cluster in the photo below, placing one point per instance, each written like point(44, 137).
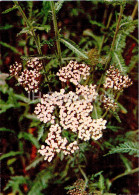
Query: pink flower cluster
point(30, 77)
point(30, 80)
point(73, 72)
point(34, 64)
point(15, 69)
point(115, 80)
point(109, 103)
point(55, 144)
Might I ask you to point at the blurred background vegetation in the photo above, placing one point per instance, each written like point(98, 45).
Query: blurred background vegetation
point(23, 170)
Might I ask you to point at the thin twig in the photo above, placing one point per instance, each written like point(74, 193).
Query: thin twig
point(134, 11)
point(56, 31)
point(125, 173)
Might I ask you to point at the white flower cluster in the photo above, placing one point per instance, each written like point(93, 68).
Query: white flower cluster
point(15, 69)
point(30, 77)
point(55, 144)
point(109, 103)
point(69, 111)
point(48, 103)
point(30, 80)
point(74, 113)
point(88, 92)
point(115, 80)
point(73, 72)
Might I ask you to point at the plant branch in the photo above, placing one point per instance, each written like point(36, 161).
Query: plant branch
point(134, 11)
point(29, 25)
point(125, 173)
point(56, 31)
point(84, 175)
point(112, 45)
point(107, 26)
point(33, 34)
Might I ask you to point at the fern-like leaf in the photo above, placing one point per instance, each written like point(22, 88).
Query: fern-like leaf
point(72, 46)
point(132, 148)
point(29, 137)
point(127, 26)
point(34, 163)
point(40, 182)
point(15, 183)
point(58, 5)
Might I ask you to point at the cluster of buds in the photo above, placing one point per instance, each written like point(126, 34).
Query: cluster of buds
point(55, 144)
point(30, 80)
point(109, 103)
point(15, 69)
point(73, 72)
point(34, 64)
point(78, 188)
point(30, 77)
point(115, 80)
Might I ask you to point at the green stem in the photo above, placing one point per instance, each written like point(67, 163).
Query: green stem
point(117, 27)
point(124, 174)
point(134, 11)
point(56, 31)
point(33, 34)
point(95, 111)
point(29, 25)
point(84, 175)
point(112, 45)
point(108, 24)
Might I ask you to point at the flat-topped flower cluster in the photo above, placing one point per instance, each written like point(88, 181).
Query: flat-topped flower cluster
point(115, 80)
point(30, 77)
point(55, 144)
point(109, 103)
point(73, 115)
point(73, 72)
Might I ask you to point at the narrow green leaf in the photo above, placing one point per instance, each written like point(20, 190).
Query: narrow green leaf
point(40, 132)
point(34, 163)
point(5, 129)
point(10, 47)
point(72, 46)
point(9, 10)
point(10, 154)
point(29, 137)
point(6, 27)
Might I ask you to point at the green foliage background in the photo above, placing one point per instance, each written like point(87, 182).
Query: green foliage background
point(85, 32)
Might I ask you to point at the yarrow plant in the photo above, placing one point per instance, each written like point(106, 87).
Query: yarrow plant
point(77, 116)
point(74, 112)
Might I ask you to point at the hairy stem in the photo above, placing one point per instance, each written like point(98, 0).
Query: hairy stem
point(56, 31)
